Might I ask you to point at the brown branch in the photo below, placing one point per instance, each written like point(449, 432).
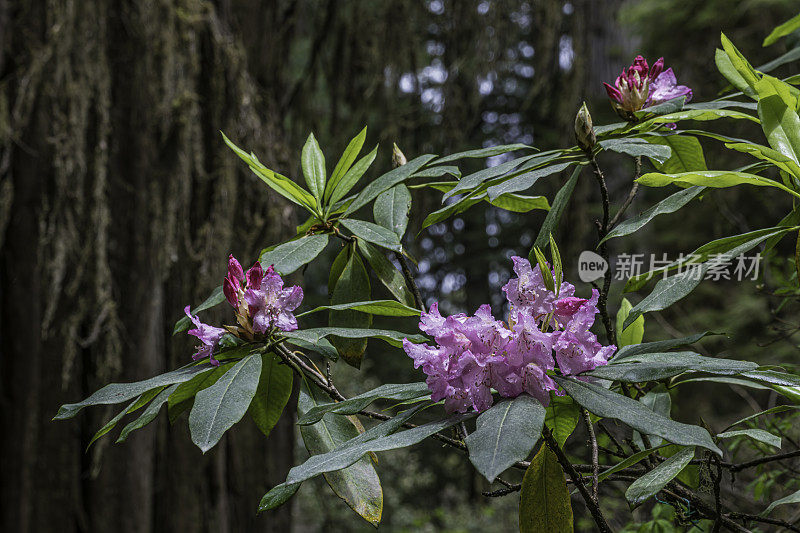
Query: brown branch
point(631, 195)
point(763, 519)
point(602, 230)
point(411, 282)
point(593, 441)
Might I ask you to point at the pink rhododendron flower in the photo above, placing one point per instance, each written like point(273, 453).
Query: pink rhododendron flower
point(641, 86)
point(209, 336)
point(475, 354)
point(270, 305)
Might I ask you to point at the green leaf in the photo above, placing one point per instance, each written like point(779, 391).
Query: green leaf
point(687, 154)
point(658, 366)
point(656, 479)
point(659, 401)
point(373, 233)
point(666, 206)
point(122, 392)
point(777, 108)
point(791, 498)
point(782, 31)
point(711, 178)
point(221, 405)
point(776, 409)
point(770, 155)
point(628, 461)
point(756, 434)
point(726, 68)
point(670, 290)
point(635, 146)
point(322, 347)
point(352, 285)
point(215, 298)
point(386, 182)
point(272, 394)
point(313, 162)
point(742, 66)
point(391, 209)
point(608, 404)
point(375, 307)
point(702, 115)
point(544, 503)
point(351, 177)
point(506, 433)
point(547, 274)
point(358, 484)
point(149, 414)
point(476, 179)
point(395, 338)
point(562, 417)
point(634, 333)
point(553, 217)
point(182, 398)
point(520, 204)
point(558, 268)
point(788, 57)
point(386, 272)
point(351, 406)
point(670, 106)
point(658, 346)
point(484, 152)
point(345, 162)
point(112, 423)
point(291, 255)
point(277, 496)
point(525, 181)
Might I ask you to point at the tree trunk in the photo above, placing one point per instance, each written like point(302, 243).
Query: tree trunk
point(118, 206)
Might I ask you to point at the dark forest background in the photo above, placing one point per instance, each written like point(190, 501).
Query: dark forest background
point(119, 204)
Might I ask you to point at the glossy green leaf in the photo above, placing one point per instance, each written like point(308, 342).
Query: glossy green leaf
point(686, 154)
point(562, 417)
point(395, 338)
point(221, 405)
point(525, 181)
point(771, 410)
point(313, 163)
point(484, 152)
point(627, 462)
point(215, 298)
point(742, 66)
point(358, 484)
point(122, 392)
point(374, 307)
point(609, 404)
point(702, 115)
point(506, 433)
point(291, 255)
point(635, 146)
point(111, 424)
point(471, 181)
point(726, 68)
point(386, 272)
point(277, 496)
point(656, 479)
point(659, 401)
point(791, 498)
point(391, 209)
point(658, 346)
point(351, 406)
point(660, 366)
point(321, 346)
point(183, 397)
point(634, 333)
point(386, 182)
point(352, 285)
point(783, 30)
point(777, 108)
point(544, 503)
point(351, 177)
point(768, 154)
point(272, 394)
point(550, 224)
point(711, 178)
point(518, 203)
point(149, 414)
point(345, 163)
point(670, 106)
point(756, 434)
point(666, 206)
point(374, 233)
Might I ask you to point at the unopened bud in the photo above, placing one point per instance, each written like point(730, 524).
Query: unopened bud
point(398, 159)
point(584, 132)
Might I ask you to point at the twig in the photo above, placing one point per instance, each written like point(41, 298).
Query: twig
point(411, 282)
point(595, 465)
point(602, 230)
point(716, 476)
point(631, 195)
point(761, 461)
point(763, 519)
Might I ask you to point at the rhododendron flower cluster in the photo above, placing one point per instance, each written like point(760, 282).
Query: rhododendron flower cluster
point(261, 302)
point(475, 354)
point(640, 86)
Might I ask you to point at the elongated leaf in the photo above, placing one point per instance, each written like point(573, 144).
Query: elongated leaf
point(777, 108)
point(609, 404)
point(386, 182)
point(375, 307)
point(562, 417)
point(726, 68)
point(525, 181)
point(321, 346)
point(277, 496)
point(351, 177)
point(791, 498)
point(395, 338)
point(658, 346)
point(788, 57)
point(386, 272)
point(484, 152)
point(476, 179)
point(782, 31)
point(772, 410)
point(742, 66)
point(544, 503)
point(506, 433)
point(635, 146)
point(149, 414)
point(221, 405)
point(351, 406)
point(290, 256)
point(627, 462)
point(345, 162)
point(659, 401)
point(711, 178)
point(353, 284)
point(183, 397)
point(701, 115)
point(519, 203)
point(656, 479)
point(122, 392)
point(687, 154)
point(215, 298)
point(632, 334)
point(358, 485)
point(313, 163)
point(666, 206)
point(658, 366)
point(670, 106)
point(756, 434)
point(374, 233)
point(272, 394)
point(670, 290)
point(553, 217)
point(391, 209)
point(771, 155)
point(111, 424)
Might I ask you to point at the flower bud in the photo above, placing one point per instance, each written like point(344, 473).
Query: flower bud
point(398, 159)
point(584, 132)
point(255, 275)
point(235, 268)
point(230, 289)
